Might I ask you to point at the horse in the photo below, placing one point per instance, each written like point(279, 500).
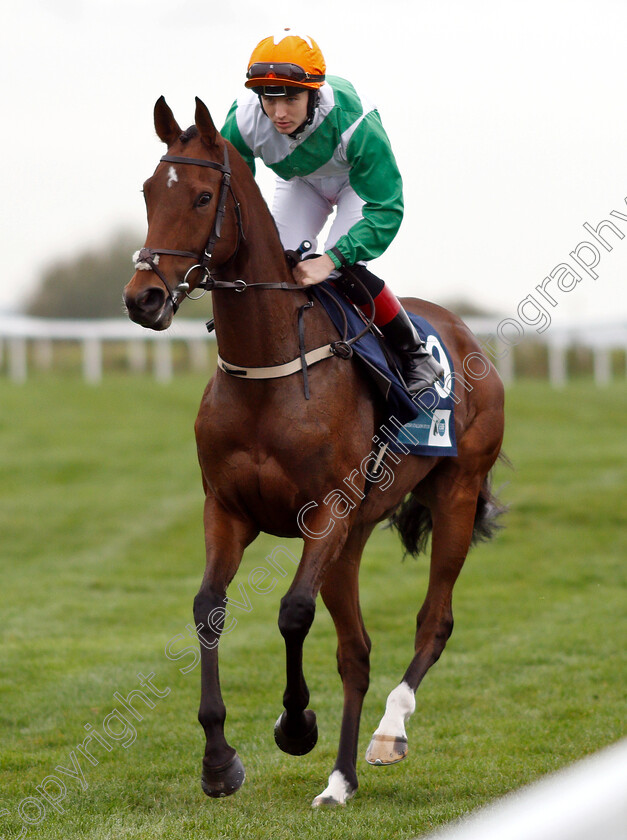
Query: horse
point(267, 453)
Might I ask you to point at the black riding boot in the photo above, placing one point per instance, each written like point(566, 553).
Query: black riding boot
point(420, 369)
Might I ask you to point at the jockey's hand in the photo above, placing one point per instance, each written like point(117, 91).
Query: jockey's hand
point(311, 272)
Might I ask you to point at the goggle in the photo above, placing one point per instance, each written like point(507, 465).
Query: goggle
point(290, 72)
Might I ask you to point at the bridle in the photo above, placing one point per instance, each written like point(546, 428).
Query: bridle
point(342, 348)
point(147, 255)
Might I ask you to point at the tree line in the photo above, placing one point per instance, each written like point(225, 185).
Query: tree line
point(90, 285)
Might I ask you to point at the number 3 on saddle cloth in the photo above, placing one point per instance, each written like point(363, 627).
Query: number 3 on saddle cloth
point(423, 425)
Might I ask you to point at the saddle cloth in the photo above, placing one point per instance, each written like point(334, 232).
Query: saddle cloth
point(421, 426)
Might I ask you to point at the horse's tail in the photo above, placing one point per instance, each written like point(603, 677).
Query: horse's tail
point(413, 522)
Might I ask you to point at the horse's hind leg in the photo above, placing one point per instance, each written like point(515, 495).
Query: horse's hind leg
point(340, 592)
point(453, 505)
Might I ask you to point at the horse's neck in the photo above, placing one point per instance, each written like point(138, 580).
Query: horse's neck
point(258, 328)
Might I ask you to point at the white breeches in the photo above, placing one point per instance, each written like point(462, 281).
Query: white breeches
point(302, 206)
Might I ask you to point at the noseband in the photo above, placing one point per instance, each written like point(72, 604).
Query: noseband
point(147, 255)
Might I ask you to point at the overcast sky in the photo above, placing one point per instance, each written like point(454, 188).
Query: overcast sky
point(507, 118)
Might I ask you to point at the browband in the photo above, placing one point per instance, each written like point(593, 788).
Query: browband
point(198, 162)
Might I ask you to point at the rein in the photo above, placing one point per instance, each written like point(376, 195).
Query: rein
point(343, 348)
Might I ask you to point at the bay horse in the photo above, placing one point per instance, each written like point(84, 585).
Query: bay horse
point(267, 454)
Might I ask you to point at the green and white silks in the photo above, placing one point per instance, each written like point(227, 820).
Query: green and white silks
point(342, 160)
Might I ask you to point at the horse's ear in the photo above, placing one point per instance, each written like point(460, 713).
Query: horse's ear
point(166, 126)
point(204, 124)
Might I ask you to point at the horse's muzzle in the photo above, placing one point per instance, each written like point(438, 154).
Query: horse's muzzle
point(151, 307)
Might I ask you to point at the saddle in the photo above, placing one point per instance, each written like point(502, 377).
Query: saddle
point(420, 426)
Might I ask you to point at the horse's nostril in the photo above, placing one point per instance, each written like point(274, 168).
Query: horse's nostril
point(151, 300)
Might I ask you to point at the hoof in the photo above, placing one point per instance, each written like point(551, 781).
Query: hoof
point(328, 801)
point(297, 744)
point(386, 749)
point(223, 781)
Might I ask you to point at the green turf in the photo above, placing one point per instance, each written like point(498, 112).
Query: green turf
point(102, 553)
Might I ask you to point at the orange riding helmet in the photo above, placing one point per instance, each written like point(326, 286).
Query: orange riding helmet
point(286, 60)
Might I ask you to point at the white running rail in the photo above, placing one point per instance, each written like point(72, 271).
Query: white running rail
point(587, 801)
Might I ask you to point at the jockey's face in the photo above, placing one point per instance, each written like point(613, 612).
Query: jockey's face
point(286, 113)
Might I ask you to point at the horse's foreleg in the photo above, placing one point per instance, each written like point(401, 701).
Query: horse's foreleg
point(340, 592)
point(296, 731)
point(225, 537)
point(453, 518)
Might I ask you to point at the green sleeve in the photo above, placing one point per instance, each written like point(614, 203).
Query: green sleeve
point(230, 131)
point(375, 178)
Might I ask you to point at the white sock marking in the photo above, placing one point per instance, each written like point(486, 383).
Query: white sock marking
point(337, 790)
point(400, 706)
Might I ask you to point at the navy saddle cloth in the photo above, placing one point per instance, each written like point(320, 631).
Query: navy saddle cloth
point(424, 426)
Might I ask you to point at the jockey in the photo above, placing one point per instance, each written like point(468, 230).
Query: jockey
point(329, 150)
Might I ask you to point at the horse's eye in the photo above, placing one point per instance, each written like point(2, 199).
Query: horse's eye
point(203, 200)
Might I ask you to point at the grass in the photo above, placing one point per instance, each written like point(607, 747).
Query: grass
point(102, 553)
